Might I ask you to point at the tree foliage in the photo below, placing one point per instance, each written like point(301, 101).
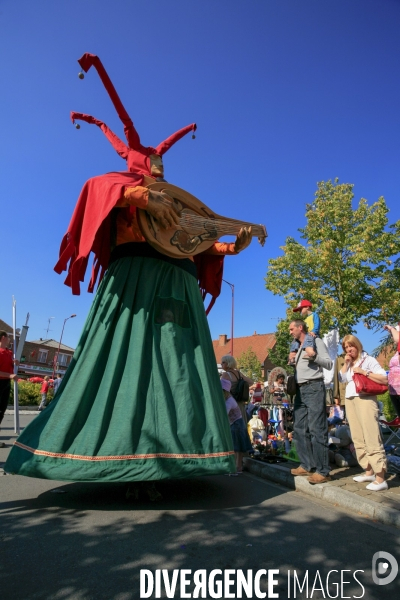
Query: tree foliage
point(249, 364)
point(29, 393)
point(388, 408)
point(349, 265)
point(279, 353)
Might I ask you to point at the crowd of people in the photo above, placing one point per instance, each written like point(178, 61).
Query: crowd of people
point(347, 432)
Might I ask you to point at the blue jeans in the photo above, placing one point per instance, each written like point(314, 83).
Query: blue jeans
point(309, 342)
point(311, 427)
point(335, 421)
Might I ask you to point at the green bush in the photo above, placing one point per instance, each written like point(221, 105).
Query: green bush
point(29, 393)
point(388, 409)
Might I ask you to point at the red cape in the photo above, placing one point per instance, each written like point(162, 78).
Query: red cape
point(89, 231)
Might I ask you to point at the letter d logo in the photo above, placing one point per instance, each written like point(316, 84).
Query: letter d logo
point(381, 568)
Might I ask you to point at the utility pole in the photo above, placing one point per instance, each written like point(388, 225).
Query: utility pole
point(48, 326)
point(231, 285)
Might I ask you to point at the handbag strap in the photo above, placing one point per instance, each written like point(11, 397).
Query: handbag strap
point(234, 374)
point(363, 360)
point(358, 366)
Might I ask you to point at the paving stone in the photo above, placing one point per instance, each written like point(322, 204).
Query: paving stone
point(337, 482)
point(383, 507)
point(352, 487)
point(394, 490)
point(393, 498)
point(390, 502)
point(376, 497)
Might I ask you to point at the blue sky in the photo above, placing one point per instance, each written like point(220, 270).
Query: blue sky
point(284, 93)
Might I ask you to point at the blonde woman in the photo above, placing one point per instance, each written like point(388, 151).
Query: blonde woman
point(362, 414)
point(232, 374)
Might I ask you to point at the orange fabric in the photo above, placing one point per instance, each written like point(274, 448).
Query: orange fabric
point(221, 248)
point(128, 228)
point(135, 196)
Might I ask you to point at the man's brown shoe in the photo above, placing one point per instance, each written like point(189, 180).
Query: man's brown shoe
point(318, 478)
point(300, 471)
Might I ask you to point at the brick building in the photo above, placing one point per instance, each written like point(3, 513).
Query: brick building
point(6, 327)
point(259, 343)
point(38, 356)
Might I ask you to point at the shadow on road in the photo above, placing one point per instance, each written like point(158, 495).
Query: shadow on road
point(89, 543)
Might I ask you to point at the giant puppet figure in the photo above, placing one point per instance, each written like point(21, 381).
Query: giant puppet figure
point(141, 400)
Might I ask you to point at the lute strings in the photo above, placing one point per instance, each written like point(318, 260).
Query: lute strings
point(222, 226)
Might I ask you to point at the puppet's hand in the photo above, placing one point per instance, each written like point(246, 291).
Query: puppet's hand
point(162, 208)
point(243, 239)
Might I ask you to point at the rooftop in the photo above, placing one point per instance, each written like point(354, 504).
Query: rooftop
point(51, 344)
point(260, 343)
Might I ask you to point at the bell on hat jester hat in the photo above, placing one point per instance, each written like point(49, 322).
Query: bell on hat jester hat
point(136, 155)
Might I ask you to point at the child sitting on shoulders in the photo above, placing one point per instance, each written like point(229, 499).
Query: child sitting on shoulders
point(313, 325)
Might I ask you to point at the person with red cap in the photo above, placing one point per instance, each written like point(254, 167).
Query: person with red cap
point(139, 402)
point(313, 325)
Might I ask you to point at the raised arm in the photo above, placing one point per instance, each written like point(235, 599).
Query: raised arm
point(394, 333)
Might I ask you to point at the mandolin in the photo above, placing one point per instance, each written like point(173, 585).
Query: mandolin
point(199, 227)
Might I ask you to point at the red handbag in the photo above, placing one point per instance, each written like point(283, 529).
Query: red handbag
point(367, 387)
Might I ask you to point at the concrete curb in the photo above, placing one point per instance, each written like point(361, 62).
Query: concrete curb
point(323, 491)
point(23, 410)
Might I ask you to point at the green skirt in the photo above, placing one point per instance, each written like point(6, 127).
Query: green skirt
point(142, 399)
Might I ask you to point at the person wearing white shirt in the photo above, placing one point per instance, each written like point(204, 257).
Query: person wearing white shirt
point(362, 414)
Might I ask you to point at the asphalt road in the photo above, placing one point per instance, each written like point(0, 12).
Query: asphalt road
point(90, 543)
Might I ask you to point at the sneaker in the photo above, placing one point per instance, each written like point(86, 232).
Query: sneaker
point(364, 478)
point(377, 487)
point(340, 461)
point(300, 471)
point(318, 478)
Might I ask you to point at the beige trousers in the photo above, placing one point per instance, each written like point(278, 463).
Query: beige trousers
point(362, 415)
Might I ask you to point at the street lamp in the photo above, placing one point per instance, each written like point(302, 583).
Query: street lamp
point(59, 344)
point(231, 285)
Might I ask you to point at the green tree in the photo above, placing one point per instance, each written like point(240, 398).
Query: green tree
point(349, 266)
point(279, 353)
point(249, 364)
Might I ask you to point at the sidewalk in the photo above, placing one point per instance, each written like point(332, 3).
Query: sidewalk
point(383, 507)
point(23, 410)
